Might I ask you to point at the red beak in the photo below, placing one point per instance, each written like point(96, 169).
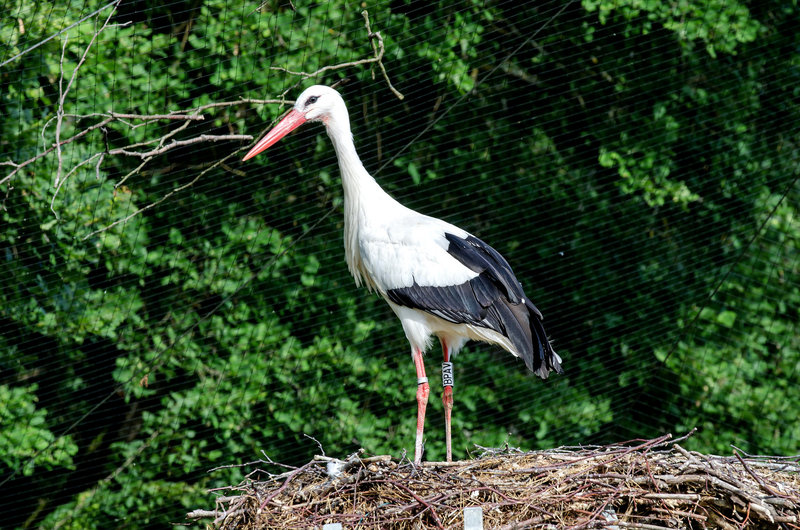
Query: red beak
point(290, 122)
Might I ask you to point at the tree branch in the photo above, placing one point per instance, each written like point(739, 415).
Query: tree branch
point(238, 102)
point(377, 49)
point(379, 55)
point(179, 143)
point(63, 93)
point(115, 3)
point(163, 198)
point(164, 143)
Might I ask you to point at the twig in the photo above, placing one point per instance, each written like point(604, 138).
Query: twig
point(63, 93)
point(201, 514)
point(322, 450)
point(60, 113)
point(680, 513)
point(239, 101)
point(180, 143)
point(71, 171)
point(115, 3)
point(522, 525)
point(690, 459)
point(379, 51)
point(283, 486)
point(229, 513)
point(368, 460)
point(442, 464)
point(110, 117)
point(231, 466)
point(644, 526)
point(60, 109)
point(673, 496)
point(338, 483)
point(685, 436)
point(18, 167)
point(162, 199)
point(150, 117)
point(758, 479)
point(379, 54)
point(421, 501)
point(161, 141)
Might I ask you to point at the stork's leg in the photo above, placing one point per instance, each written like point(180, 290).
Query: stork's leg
point(423, 390)
point(447, 398)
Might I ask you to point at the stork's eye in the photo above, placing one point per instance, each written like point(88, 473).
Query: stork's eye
point(311, 100)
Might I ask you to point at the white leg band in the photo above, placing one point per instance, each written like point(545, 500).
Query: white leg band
point(447, 374)
point(422, 380)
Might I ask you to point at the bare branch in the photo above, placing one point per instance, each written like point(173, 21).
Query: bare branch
point(179, 143)
point(73, 170)
point(147, 150)
point(201, 514)
point(148, 156)
point(321, 449)
point(18, 167)
point(160, 141)
point(151, 117)
point(60, 110)
point(238, 102)
point(63, 93)
point(378, 50)
point(115, 3)
point(110, 117)
point(164, 197)
point(97, 167)
point(379, 54)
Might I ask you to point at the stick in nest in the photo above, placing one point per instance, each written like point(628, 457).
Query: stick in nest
point(645, 485)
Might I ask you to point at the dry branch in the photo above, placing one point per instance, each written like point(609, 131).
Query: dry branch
point(157, 146)
point(64, 91)
point(649, 484)
point(115, 4)
point(378, 50)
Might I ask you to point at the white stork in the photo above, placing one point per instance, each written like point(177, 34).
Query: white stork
point(437, 278)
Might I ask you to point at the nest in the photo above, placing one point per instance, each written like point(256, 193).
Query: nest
point(651, 484)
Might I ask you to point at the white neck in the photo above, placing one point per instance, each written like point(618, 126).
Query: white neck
point(361, 192)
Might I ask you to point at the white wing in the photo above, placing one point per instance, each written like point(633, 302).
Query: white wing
point(411, 249)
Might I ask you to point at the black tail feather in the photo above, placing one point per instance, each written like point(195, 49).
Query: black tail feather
point(547, 359)
point(522, 324)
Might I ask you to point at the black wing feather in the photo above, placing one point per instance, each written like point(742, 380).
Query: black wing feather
point(479, 257)
point(494, 300)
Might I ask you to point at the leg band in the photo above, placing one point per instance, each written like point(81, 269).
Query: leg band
point(447, 374)
point(422, 380)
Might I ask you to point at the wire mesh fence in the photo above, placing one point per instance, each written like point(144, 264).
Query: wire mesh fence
point(166, 308)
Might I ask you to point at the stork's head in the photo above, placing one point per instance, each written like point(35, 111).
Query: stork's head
point(319, 102)
point(316, 103)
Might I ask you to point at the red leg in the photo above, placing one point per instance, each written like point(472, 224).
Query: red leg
point(423, 389)
point(447, 398)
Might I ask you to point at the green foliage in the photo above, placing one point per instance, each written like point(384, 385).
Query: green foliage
point(641, 172)
point(738, 392)
point(621, 160)
point(721, 25)
point(26, 444)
